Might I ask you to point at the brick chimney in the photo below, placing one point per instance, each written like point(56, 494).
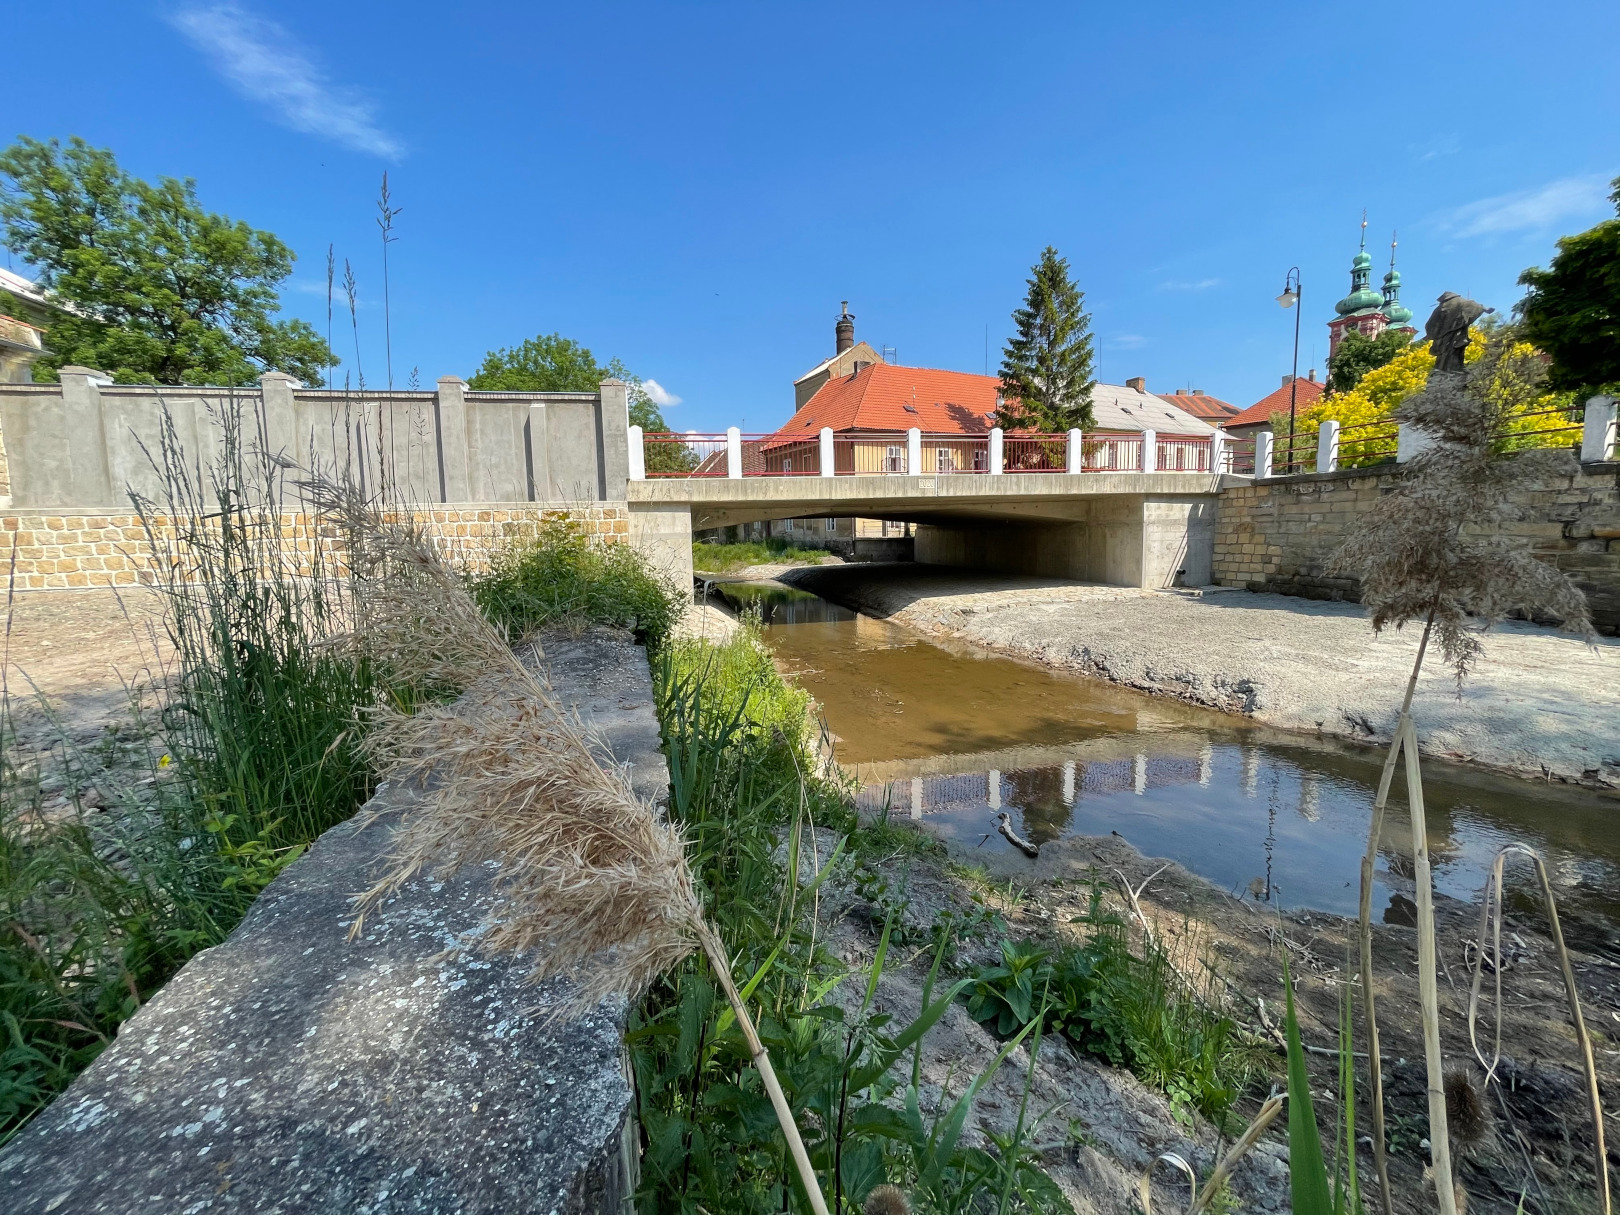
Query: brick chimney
point(1137, 382)
point(844, 330)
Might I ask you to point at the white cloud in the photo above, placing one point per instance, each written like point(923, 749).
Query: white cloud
point(658, 394)
point(1127, 341)
point(1201, 284)
point(1444, 145)
point(261, 61)
point(1530, 210)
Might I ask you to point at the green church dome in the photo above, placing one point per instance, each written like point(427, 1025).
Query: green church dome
point(1362, 297)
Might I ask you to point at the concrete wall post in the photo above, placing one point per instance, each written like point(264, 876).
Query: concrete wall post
point(614, 419)
point(1150, 451)
point(734, 453)
point(89, 479)
point(1077, 453)
point(998, 459)
point(1217, 452)
point(1327, 447)
point(281, 418)
point(1410, 442)
point(914, 452)
point(637, 453)
point(1598, 432)
point(450, 404)
point(1264, 442)
point(828, 454)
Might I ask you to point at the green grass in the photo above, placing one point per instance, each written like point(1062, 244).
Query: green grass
point(556, 574)
point(726, 558)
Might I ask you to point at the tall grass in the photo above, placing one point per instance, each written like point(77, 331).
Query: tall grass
point(255, 752)
point(725, 558)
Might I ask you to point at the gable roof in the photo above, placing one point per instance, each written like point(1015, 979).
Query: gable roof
point(1201, 405)
point(861, 351)
point(1259, 414)
point(884, 397)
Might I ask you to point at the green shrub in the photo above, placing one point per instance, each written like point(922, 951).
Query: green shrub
point(557, 574)
point(773, 550)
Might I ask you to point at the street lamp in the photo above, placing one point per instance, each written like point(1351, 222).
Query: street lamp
point(1290, 299)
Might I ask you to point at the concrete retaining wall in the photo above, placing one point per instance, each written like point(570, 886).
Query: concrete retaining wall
point(83, 445)
point(295, 1071)
point(1278, 534)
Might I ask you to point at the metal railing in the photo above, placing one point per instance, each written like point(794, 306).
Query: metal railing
point(913, 453)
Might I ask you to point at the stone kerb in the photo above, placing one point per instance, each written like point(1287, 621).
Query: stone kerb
point(293, 1070)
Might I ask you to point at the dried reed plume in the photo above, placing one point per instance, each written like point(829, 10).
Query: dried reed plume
point(593, 882)
point(1425, 552)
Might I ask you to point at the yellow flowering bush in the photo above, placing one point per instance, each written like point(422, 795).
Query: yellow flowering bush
point(1367, 407)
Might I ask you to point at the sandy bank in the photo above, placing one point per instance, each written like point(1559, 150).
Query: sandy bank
point(1539, 704)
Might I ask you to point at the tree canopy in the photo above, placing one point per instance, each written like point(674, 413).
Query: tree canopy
point(1046, 367)
point(1572, 310)
point(155, 289)
point(550, 362)
point(1358, 354)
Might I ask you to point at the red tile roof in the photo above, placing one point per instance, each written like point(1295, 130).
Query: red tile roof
point(1259, 414)
point(1201, 405)
point(888, 398)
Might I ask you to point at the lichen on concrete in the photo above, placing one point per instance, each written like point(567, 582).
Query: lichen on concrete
point(294, 1069)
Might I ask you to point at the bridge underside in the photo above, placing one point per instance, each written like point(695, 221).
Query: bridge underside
point(1127, 529)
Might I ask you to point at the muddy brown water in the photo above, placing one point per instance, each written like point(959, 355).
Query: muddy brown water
point(954, 735)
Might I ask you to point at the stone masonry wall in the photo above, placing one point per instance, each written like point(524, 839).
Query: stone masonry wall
point(1277, 535)
point(59, 551)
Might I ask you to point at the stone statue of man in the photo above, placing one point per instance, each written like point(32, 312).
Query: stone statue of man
point(1447, 329)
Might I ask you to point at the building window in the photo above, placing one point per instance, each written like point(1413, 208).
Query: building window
point(981, 459)
point(942, 460)
point(832, 525)
point(894, 460)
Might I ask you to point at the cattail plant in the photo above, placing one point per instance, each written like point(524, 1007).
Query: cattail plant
point(593, 883)
point(1427, 551)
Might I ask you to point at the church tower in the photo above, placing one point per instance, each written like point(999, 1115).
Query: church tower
point(1362, 311)
point(1397, 314)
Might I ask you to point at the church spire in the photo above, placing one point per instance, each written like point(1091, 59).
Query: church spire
point(1396, 312)
point(1362, 297)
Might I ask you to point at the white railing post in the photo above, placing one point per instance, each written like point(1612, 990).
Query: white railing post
point(1217, 451)
point(1598, 431)
point(1327, 447)
point(1077, 452)
point(733, 453)
point(1410, 442)
point(914, 452)
point(638, 455)
point(1264, 442)
point(829, 467)
point(998, 458)
point(1150, 451)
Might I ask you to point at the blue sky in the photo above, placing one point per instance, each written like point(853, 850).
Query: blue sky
point(695, 187)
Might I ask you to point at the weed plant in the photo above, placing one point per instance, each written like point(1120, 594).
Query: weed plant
point(725, 558)
point(555, 574)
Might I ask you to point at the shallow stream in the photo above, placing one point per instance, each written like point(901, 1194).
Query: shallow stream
point(954, 734)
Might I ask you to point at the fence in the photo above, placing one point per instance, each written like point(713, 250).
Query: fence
point(913, 453)
point(1591, 430)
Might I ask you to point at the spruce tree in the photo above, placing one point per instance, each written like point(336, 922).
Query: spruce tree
point(1046, 378)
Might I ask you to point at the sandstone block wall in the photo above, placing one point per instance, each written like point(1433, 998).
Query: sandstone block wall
point(52, 551)
point(1278, 535)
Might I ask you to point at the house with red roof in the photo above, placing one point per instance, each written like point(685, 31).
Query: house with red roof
point(1257, 417)
point(1196, 402)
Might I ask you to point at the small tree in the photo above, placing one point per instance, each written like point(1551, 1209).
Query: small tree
point(1358, 354)
point(1425, 552)
point(1046, 368)
point(156, 289)
point(1572, 310)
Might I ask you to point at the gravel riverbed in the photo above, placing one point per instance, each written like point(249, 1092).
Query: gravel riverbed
point(1540, 703)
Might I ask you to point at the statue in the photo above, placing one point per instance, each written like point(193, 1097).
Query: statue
point(1447, 329)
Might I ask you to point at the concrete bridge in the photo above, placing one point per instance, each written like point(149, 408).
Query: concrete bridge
point(1127, 509)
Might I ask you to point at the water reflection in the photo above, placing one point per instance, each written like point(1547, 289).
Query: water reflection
point(954, 735)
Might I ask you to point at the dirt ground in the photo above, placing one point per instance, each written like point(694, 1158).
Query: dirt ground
point(1535, 1130)
point(1540, 703)
point(75, 663)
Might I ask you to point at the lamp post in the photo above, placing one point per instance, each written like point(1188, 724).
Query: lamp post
point(1290, 299)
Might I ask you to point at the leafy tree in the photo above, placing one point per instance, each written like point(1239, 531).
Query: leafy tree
point(1572, 310)
point(1046, 378)
point(553, 363)
point(1358, 354)
point(156, 289)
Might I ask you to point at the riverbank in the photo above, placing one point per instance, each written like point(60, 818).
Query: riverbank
point(1540, 704)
